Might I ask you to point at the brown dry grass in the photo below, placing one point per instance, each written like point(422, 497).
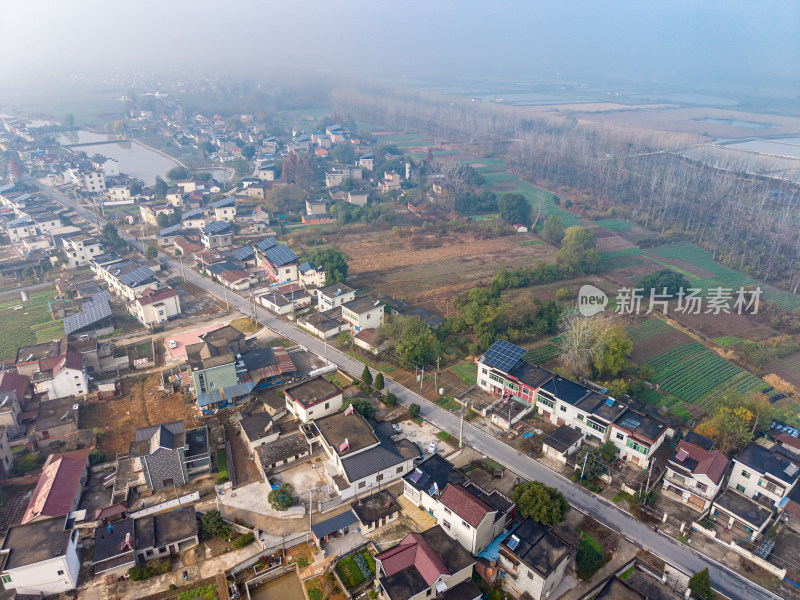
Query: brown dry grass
point(142, 404)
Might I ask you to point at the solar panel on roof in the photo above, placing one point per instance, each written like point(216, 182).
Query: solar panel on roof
point(504, 355)
point(513, 542)
point(281, 255)
point(681, 455)
point(416, 475)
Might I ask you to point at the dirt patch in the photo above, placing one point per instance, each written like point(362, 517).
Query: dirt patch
point(245, 469)
point(612, 243)
point(432, 277)
point(787, 368)
point(142, 404)
point(712, 326)
point(644, 349)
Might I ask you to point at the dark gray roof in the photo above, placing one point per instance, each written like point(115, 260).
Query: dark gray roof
point(775, 461)
point(266, 243)
point(534, 544)
point(221, 267)
point(466, 590)
point(362, 305)
point(335, 289)
point(743, 507)
point(197, 440)
point(375, 506)
point(699, 440)
point(381, 457)
point(312, 391)
point(34, 542)
point(434, 469)
point(137, 277)
point(229, 201)
point(334, 524)
point(257, 426)
point(282, 448)
point(566, 390)
point(109, 540)
point(646, 427)
point(244, 253)
point(171, 230)
point(563, 438)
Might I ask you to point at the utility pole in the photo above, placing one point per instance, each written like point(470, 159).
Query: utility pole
point(421, 379)
point(585, 458)
point(461, 431)
point(227, 306)
point(310, 508)
point(649, 472)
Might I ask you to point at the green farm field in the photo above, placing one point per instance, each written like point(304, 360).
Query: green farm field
point(26, 325)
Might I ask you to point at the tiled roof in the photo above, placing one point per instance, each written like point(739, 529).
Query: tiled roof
point(13, 382)
point(70, 360)
point(414, 550)
point(700, 461)
point(58, 485)
point(150, 296)
point(470, 508)
point(217, 228)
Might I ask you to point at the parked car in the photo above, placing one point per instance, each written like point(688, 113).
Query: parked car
point(397, 428)
point(432, 448)
point(172, 344)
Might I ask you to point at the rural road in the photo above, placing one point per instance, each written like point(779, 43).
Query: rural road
point(726, 580)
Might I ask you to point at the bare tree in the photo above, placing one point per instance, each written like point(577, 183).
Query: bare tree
point(582, 341)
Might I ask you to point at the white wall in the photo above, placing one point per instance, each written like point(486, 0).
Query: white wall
point(43, 577)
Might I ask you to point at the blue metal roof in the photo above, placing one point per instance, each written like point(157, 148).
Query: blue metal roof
point(281, 255)
point(223, 266)
point(229, 201)
point(266, 244)
point(136, 277)
point(196, 212)
point(217, 227)
point(244, 253)
point(172, 229)
point(305, 267)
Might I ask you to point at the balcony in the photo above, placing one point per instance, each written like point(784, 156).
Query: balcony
point(688, 484)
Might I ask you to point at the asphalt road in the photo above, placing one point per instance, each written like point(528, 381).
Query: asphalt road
point(724, 579)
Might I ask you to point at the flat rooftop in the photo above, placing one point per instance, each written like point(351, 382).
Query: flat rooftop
point(353, 429)
point(312, 391)
point(35, 542)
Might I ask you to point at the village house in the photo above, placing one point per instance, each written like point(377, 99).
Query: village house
point(745, 517)
point(324, 325)
point(258, 429)
point(562, 443)
point(125, 278)
point(313, 398)
point(367, 161)
point(55, 420)
point(278, 261)
point(167, 455)
point(79, 250)
point(216, 234)
point(156, 307)
point(61, 376)
point(534, 560)
point(88, 180)
point(503, 373)
point(334, 295)
point(363, 313)
point(390, 182)
point(60, 486)
point(358, 197)
point(225, 209)
point(310, 276)
point(286, 449)
point(765, 471)
point(637, 436)
point(364, 455)
point(6, 457)
point(40, 558)
point(424, 565)
point(695, 471)
point(150, 212)
point(282, 304)
point(376, 510)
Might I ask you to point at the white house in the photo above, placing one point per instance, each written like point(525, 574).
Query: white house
point(363, 313)
point(156, 307)
point(637, 436)
point(695, 471)
point(40, 558)
point(534, 560)
point(61, 376)
point(80, 249)
point(313, 399)
point(334, 295)
point(425, 565)
point(765, 471)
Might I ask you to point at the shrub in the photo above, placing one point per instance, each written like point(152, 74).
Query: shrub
point(390, 400)
point(314, 593)
point(244, 540)
point(140, 572)
point(206, 592)
point(588, 559)
point(444, 436)
point(379, 383)
point(413, 411)
point(212, 525)
point(366, 376)
point(97, 457)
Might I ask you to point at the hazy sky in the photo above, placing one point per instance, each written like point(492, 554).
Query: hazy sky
point(754, 43)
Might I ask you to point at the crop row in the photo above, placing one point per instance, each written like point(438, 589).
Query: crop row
point(647, 329)
point(541, 354)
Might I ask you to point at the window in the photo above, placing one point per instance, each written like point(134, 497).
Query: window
point(400, 469)
point(445, 524)
point(580, 417)
point(59, 572)
point(548, 403)
point(169, 481)
point(327, 405)
point(620, 436)
point(361, 484)
point(465, 524)
point(530, 575)
point(702, 486)
point(746, 474)
point(740, 488)
point(638, 447)
point(379, 477)
point(448, 511)
point(563, 408)
point(595, 426)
